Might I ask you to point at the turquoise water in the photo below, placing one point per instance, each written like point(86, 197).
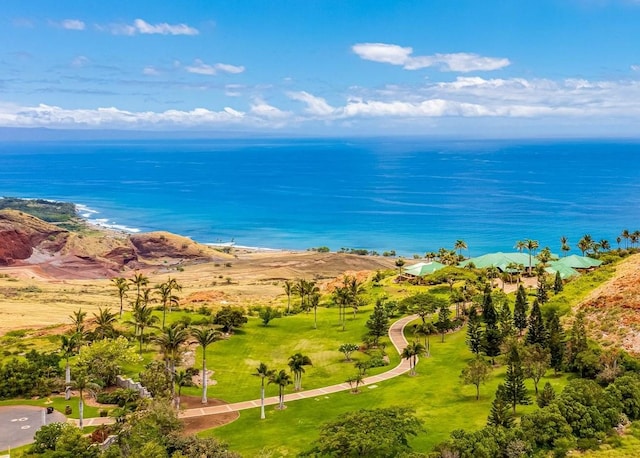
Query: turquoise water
point(411, 195)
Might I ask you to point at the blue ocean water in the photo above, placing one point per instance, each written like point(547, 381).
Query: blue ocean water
point(411, 195)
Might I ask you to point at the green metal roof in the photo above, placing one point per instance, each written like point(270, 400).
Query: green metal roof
point(580, 262)
point(423, 268)
point(565, 270)
point(500, 260)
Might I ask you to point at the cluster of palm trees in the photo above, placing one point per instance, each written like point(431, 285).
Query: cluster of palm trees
point(281, 378)
point(411, 353)
point(349, 294)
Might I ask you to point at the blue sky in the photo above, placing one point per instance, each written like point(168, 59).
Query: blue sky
point(311, 67)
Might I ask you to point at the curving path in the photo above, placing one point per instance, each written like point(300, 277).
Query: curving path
point(396, 335)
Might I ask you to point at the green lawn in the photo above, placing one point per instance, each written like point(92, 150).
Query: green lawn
point(440, 401)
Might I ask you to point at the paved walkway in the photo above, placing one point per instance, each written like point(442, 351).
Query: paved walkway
point(396, 335)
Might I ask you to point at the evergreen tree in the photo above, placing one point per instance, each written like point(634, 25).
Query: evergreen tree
point(505, 321)
point(474, 332)
point(515, 390)
point(520, 309)
point(378, 322)
point(557, 283)
point(489, 314)
point(547, 395)
point(555, 340)
point(444, 322)
point(542, 294)
point(501, 415)
point(577, 340)
point(536, 333)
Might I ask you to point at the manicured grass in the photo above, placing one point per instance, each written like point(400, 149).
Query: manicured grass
point(436, 394)
point(273, 344)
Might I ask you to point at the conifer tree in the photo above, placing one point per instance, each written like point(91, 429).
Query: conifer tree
point(557, 283)
point(505, 321)
point(474, 332)
point(555, 340)
point(501, 415)
point(578, 339)
point(520, 309)
point(444, 322)
point(542, 294)
point(536, 333)
point(515, 390)
point(547, 395)
point(489, 314)
point(492, 338)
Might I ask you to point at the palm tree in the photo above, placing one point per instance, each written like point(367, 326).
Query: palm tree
point(460, 245)
point(424, 330)
point(181, 378)
point(314, 301)
point(341, 297)
point(564, 245)
point(165, 292)
point(288, 290)
point(143, 317)
point(634, 237)
point(139, 280)
point(105, 320)
point(355, 290)
point(282, 379)
point(411, 353)
point(296, 364)
point(123, 287)
point(355, 381)
point(171, 341)
point(263, 372)
point(205, 337)
point(520, 246)
point(531, 246)
point(605, 245)
point(68, 347)
point(78, 324)
point(626, 235)
point(585, 244)
point(300, 288)
point(82, 381)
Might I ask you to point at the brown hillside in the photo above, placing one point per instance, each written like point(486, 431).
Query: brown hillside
point(612, 309)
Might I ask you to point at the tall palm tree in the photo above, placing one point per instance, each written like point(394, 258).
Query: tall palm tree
point(296, 364)
point(314, 301)
point(626, 235)
point(531, 246)
point(634, 237)
point(68, 348)
point(300, 288)
point(143, 318)
point(585, 244)
point(424, 330)
point(564, 245)
point(605, 245)
point(205, 337)
point(81, 382)
point(79, 331)
point(288, 290)
point(355, 290)
point(520, 246)
point(104, 320)
point(167, 298)
point(171, 340)
point(282, 379)
point(460, 245)
point(123, 287)
point(263, 372)
point(139, 280)
point(411, 353)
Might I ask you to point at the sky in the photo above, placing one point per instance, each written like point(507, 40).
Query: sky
point(517, 68)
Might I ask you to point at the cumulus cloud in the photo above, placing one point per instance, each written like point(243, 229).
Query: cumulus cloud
point(403, 56)
point(150, 71)
point(200, 68)
point(636, 68)
point(72, 24)
point(263, 110)
point(316, 106)
point(140, 26)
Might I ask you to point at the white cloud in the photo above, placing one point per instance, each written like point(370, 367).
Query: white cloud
point(265, 111)
point(80, 61)
point(140, 26)
point(200, 68)
point(72, 24)
point(315, 105)
point(150, 71)
point(399, 55)
point(636, 68)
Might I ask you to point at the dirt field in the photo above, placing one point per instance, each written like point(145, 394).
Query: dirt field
point(35, 297)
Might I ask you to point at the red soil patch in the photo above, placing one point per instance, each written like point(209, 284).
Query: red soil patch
point(196, 424)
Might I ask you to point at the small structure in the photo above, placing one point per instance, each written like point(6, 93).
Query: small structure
point(417, 271)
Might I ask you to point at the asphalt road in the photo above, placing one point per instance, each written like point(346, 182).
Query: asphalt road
point(18, 424)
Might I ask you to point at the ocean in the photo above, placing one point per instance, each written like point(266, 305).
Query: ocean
point(410, 195)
